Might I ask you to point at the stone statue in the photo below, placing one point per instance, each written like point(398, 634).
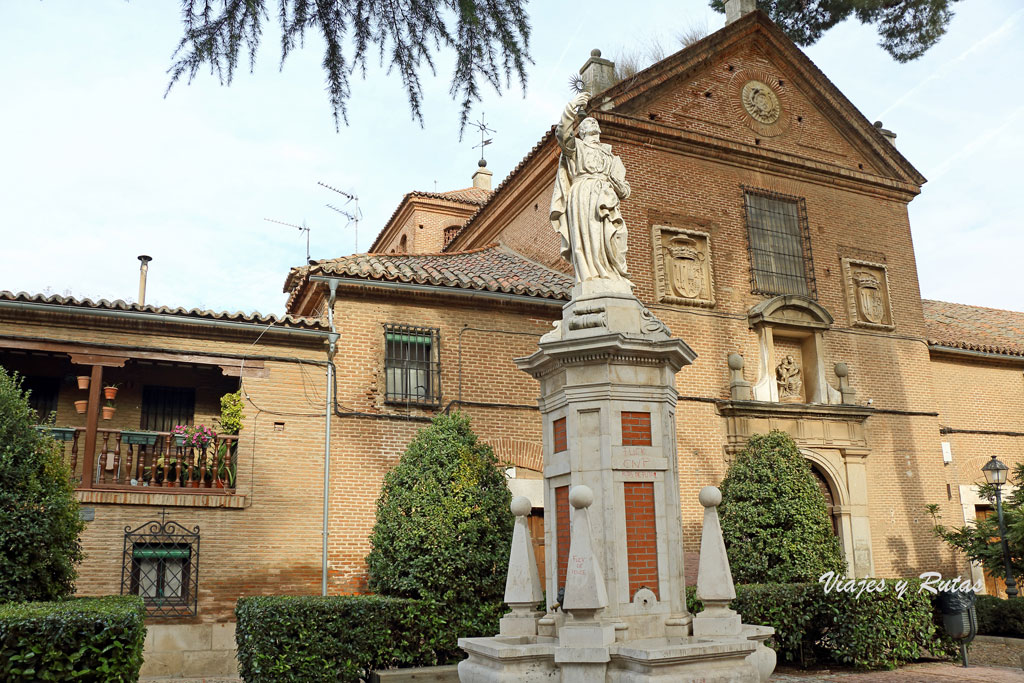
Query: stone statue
point(788, 375)
point(585, 204)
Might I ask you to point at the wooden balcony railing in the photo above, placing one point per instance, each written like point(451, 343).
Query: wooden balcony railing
point(131, 459)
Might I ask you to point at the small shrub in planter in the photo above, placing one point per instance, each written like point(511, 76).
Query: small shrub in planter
point(84, 639)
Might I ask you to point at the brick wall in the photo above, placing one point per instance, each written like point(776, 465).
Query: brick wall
point(641, 536)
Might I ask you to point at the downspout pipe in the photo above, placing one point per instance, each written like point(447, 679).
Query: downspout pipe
point(332, 343)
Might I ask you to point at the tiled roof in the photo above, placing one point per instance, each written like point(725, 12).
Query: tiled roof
point(974, 328)
point(492, 268)
point(69, 302)
point(467, 195)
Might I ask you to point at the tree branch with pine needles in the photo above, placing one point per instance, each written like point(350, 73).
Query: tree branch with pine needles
point(490, 39)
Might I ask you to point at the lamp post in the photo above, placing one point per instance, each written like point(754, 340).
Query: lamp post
point(995, 474)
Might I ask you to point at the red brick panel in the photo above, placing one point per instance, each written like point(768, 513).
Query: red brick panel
point(560, 440)
point(641, 536)
point(636, 429)
point(562, 530)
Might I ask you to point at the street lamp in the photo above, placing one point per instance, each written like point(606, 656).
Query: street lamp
point(995, 474)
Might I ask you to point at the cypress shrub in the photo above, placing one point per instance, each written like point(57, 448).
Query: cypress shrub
point(774, 519)
point(444, 529)
point(84, 639)
point(39, 523)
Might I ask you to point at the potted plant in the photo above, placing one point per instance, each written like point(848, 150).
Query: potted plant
point(110, 391)
point(108, 410)
point(179, 433)
point(195, 476)
point(81, 406)
point(158, 475)
point(83, 381)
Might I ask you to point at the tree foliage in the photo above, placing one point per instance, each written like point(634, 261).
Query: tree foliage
point(443, 526)
point(774, 519)
point(490, 39)
point(906, 28)
point(39, 523)
point(980, 541)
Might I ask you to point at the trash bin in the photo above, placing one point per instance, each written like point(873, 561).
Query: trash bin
point(959, 617)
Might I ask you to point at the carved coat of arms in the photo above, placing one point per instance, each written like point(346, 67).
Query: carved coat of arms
point(869, 297)
point(686, 267)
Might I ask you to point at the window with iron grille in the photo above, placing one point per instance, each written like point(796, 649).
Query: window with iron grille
point(779, 242)
point(161, 565)
point(412, 365)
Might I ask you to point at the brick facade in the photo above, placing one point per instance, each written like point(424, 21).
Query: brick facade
point(688, 153)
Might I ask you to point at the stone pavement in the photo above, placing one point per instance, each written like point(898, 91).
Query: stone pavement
point(930, 672)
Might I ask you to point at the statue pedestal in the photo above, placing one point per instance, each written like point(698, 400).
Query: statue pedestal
point(616, 598)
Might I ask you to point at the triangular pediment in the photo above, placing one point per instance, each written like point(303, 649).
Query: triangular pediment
point(749, 84)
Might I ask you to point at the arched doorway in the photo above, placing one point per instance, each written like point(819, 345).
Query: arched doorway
point(830, 498)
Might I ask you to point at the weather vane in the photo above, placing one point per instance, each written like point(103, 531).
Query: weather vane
point(485, 130)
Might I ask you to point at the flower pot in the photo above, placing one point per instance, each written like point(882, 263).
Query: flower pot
point(179, 439)
point(108, 412)
point(83, 381)
point(81, 406)
point(110, 393)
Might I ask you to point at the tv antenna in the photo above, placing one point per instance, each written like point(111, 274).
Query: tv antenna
point(301, 228)
point(485, 130)
point(353, 214)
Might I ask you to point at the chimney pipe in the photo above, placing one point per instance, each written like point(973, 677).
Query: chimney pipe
point(143, 270)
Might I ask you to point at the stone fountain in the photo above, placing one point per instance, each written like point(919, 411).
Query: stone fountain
point(615, 607)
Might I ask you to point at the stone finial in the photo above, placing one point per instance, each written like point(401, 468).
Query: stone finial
point(734, 9)
point(482, 177)
point(522, 585)
point(848, 393)
point(886, 133)
point(714, 578)
point(585, 591)
point(739, 388)
point(598, 74)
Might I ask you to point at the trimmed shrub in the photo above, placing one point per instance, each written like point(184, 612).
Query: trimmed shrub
point(39, 524)
point(877, 630)
point(336, 638)
point(999, 617)
point(775, 522)
point(84, 639)
point(444, 527)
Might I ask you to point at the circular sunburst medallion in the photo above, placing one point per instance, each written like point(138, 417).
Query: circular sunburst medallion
point(761, 102)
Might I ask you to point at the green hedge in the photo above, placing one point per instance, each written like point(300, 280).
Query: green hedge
point(344, 638)
point(877, 630)
point(86, 639)
point(998, 617)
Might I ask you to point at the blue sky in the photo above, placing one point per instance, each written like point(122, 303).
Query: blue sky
point(100, 167)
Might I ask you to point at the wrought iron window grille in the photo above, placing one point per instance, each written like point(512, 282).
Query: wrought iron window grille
point(778, 243)
point(412, 365)
point(161, 564)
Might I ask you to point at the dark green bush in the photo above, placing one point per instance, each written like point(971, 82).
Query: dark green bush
point(84, 639)
point(340, 638)
point(39, 524)
point(775, 523)
point(999, 617)
point(444, 528)
point(877, 630)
